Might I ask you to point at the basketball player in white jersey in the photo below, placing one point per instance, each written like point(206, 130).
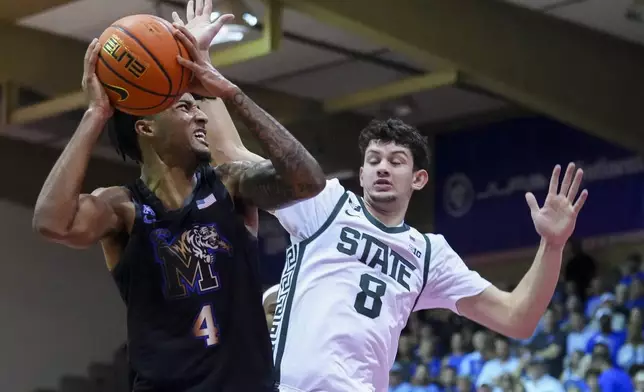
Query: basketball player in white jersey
point(356, 270)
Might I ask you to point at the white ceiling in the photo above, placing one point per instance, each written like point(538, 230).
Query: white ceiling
point(608, 16)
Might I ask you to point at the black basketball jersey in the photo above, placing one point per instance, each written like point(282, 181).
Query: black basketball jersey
point(189, 278)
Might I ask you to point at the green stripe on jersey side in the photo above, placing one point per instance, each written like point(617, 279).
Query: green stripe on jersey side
point(300, 248)
point(428, 257)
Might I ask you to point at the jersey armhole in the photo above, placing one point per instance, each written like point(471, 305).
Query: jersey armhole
point(328, 221)
point(428, 257)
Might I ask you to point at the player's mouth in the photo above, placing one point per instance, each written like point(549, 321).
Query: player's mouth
point(383, 184)
point(200, 135)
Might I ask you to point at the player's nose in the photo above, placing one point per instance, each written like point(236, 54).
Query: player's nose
point(200, 117)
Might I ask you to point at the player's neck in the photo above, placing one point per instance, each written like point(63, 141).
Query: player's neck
point(390, 214)
point(172, 185)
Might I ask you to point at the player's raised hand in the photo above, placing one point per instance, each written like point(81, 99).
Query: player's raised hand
point(207, 80)
point(555, 220)
point(198, 22)
point(98, 99)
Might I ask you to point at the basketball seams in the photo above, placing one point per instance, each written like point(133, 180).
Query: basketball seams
point(163, 57)
point(179, 47)
point(165, 97)
point(152, 56)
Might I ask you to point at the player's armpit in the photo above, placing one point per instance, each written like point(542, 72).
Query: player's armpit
point(260, 184)
point(495, 309)
point(97, 215)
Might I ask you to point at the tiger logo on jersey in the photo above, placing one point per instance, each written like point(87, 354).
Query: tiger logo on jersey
point(188, 259)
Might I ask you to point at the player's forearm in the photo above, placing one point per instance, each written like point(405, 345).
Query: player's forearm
point(294, 164)
point(58, 200)
point(531, 297)
point(224, 140)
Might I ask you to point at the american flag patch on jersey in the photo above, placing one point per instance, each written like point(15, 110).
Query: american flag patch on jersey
point(206, 202)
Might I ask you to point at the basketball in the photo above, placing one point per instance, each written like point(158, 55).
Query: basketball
point(138, 66)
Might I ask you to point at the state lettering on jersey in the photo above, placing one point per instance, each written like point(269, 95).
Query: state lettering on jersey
point(188, 259)
point(376, 254)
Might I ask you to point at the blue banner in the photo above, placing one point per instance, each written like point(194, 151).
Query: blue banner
point(482, 175)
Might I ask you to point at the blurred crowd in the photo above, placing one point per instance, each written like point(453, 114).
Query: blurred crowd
point(590, 339)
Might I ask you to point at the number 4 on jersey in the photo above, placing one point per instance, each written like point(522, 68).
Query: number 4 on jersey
point(372, 288)
point(205, 326)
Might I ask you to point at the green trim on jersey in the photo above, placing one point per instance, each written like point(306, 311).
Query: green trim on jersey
point(428, 257)
point(374, 221)
point(299, 249)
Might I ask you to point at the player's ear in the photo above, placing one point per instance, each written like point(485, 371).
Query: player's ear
point(144, 127)
point(420, 179)
point(360, 176)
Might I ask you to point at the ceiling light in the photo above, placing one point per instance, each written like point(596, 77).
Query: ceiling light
point(239, 27)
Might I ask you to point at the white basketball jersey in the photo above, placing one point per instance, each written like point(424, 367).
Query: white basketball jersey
point(348, 287)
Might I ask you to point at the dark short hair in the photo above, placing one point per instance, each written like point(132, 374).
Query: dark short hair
point(397, 132)
point(122, 133)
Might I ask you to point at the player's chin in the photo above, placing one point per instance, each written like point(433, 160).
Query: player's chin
point(202, 153)
point(388, 196)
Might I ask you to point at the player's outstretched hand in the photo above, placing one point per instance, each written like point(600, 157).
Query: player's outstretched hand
point(555, 220)
point(207, 80)
point(98, 99)
point(199, 24)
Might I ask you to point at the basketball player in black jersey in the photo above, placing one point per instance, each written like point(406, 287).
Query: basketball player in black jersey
point(175, 240)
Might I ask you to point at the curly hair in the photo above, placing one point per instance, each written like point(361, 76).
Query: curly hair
point(397, 132)
point(123, 136)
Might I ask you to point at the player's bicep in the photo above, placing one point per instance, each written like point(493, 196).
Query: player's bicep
point(95, 218)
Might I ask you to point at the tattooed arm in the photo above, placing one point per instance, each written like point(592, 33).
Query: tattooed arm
point(290, 175)
point(257, 183)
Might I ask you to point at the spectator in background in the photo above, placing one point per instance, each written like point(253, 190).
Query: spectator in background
point(573, 304)
point(419, 382)
point(537, 380)
point(611, 379)
point(428, 357)
point(550, 344)
point(573, 374)
point(472, 363)
point(509, 383)
point(632, 269)
point(580, 268)
point(632, 352)
point(606, 336)
point(502, 363)
point(457, 351)
point(578, 334)
point(635, 295)
point(592, 381)
point(608, 305)
point(464, 384)
point(621, 297)
point(593, 300)
point(397, 381)
point(405, 358)
point(446, 381)
point(638, 380)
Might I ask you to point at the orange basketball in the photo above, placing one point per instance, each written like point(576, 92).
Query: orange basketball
point(138, 65)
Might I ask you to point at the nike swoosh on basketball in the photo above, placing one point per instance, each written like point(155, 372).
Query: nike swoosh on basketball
point(120, 91)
